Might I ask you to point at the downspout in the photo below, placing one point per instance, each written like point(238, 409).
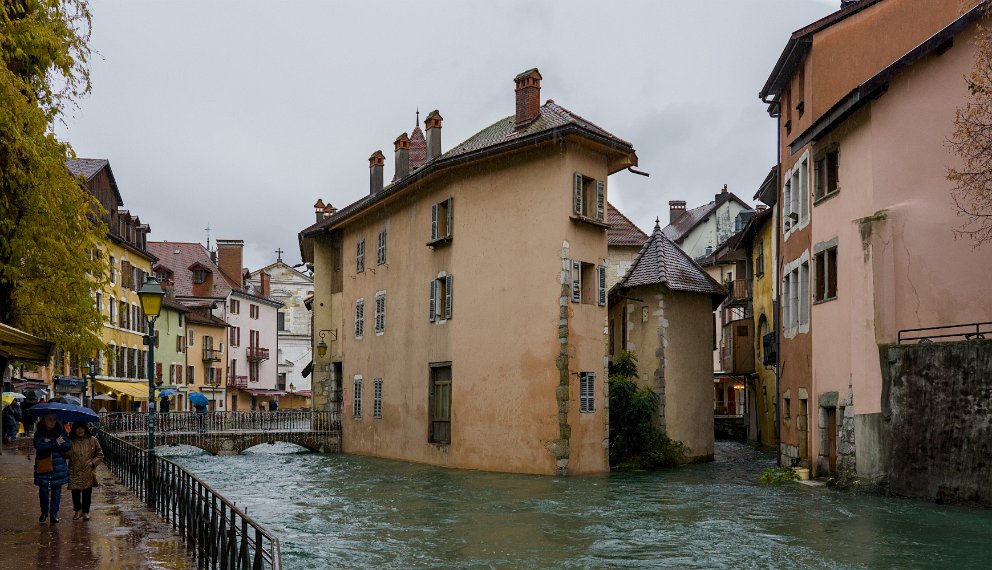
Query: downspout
point(776, 302)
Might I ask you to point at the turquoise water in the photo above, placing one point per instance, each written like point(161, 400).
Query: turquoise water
point(338, 511)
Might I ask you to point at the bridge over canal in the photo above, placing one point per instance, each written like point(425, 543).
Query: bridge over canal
point(230, 433)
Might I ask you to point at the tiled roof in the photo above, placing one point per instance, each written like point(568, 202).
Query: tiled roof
point(661, 262)
point(179, 256)
point(552, 116)
point(622, 231)
point(692, 218)
point(418, 149)
point(89, 167)
point(204, 318)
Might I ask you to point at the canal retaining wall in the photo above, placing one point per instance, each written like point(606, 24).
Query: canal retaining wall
point(937, 421)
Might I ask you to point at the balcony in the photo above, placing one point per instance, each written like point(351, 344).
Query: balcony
point(237, 381)
point(211, 355)
point(257, 354)
point(737, 352)
point(739, 293)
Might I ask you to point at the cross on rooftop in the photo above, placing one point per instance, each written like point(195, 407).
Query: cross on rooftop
point(279, 253)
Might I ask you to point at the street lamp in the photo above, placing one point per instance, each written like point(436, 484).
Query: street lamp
point(89, 369)
point(292, 389)
point(322, 347)
point(150, 295)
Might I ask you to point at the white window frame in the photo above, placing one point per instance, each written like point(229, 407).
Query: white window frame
point(356, 403)
point(795, 308)
point(360, 318)
point(796, 196)
point(380, 313)
point(440, 309)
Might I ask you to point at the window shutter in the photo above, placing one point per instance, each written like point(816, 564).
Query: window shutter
point(433, 304)
point(576, 282)
point(179, 343)
point(434, 221)
point(447, 296)
point(158, 369)
point(179, 373)
point(600, 201)
point(601, 278)
point(451, 209)
point(577, 194)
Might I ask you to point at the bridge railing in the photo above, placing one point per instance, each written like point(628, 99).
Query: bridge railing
point(216, 531)
point(215, 422)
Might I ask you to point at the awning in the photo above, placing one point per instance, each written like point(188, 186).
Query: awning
point(20, 345)
point(134, 390)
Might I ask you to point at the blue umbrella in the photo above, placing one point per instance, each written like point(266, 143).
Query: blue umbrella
point(197, 399)
point(65, 412)
point(68, 400)
point(167, 392)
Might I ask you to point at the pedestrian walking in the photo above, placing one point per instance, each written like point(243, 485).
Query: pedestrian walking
point(201, 417)
point(11, 418)
point(86, 454)
point(51, 470)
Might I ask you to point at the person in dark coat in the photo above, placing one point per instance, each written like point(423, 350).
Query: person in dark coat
point(27, 420)
point(11, 417)
point(51, 441)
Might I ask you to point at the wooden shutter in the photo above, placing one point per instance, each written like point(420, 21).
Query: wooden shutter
point(433, 221)
point(451, 209)
point(600, 201)
point(433, 304)
point(601, 284)
point(158, 370)
point(577, 193)
point(576, 282)
point(447, 296)
point(179, 373)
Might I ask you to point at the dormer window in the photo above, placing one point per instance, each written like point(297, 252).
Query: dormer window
point(199, 276)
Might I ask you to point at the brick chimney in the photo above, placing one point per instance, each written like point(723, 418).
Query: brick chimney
point(433, 126)
point(375, 172)
point(230, 257)
point(318, 209)
point(675, 210)
point(528, 97)
point(266, 280)
point(401, 148)
point(722, 194)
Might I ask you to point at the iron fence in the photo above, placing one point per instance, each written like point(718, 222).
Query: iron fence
point(218, 533)
point(214, 422)
point(967, 331)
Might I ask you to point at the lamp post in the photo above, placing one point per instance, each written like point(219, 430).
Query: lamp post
point(292, 390)
point(150, 295)
point(93, 371)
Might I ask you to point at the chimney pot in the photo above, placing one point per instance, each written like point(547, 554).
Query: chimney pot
point(402, 151)
point(675, 208)
point(528, 92)
point(433, 126)
point(375, 172)
point(724, 191)
point(318, 209)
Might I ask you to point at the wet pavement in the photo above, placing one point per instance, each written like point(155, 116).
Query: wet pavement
point(121, 532)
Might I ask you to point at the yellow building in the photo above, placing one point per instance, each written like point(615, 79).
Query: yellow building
point(206, 368)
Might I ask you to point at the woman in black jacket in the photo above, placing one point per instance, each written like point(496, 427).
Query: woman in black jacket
point(51, 470)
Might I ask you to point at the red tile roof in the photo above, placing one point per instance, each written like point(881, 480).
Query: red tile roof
point(622, 231)
point(178, 257)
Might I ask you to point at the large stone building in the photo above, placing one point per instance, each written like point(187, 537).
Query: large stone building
point(506, 371)
point(865, 223)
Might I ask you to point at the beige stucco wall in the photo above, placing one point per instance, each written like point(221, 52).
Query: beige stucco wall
point(511, 220)
point(673, 358)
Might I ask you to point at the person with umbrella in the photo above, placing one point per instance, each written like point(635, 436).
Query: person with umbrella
point(86, 454)
point(50, 468)
point(199, 402)
point(27, 419)
point(11, 417)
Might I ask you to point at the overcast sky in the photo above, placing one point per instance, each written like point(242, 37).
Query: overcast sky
point(240, 114)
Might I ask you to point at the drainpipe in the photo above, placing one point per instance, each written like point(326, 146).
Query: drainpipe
point(777, 302)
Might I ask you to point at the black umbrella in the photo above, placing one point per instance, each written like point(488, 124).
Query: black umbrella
point(69, 400)
point(35, 394)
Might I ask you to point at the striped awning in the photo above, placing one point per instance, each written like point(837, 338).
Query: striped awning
point(20, 345)
point(134, 390)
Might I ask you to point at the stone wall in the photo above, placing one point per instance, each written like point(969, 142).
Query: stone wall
point(938, 411)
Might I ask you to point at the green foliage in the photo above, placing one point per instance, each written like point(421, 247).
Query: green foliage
point(777, 476)
point(636, 441)
point(49, 224)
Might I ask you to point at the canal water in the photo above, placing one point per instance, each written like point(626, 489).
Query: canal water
point(340, 511)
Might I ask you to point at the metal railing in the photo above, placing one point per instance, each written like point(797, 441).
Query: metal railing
point(223, 422)
point(211, 355)
point(968, 331)
point(237, 381)
point(216, 531)
point(256, 353)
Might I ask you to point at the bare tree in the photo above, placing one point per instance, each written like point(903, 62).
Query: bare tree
point(972, 141)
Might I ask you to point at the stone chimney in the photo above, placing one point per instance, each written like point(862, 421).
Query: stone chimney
point(329, 210)
point(675, 210)
point(318, 209)
point(401, 148)
point(230, 258)
point(433, 125)
point(266, 280)
point(375, 172)
point(528, 97)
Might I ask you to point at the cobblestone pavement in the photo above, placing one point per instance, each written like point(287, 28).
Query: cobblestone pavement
point(121, 533)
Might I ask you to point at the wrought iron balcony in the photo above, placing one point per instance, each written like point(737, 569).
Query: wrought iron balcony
point(211, 355)
point(237, 381)
point(257, 354)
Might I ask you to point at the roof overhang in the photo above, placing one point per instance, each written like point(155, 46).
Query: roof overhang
point(19, 345)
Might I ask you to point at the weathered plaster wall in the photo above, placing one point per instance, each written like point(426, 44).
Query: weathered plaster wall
point(940, 420)
point(763, 293)
point(619, 260)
